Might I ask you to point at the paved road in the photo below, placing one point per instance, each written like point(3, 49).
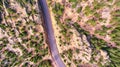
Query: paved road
point(50, 33)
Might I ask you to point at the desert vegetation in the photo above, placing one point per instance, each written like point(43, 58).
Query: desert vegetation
point(87, 33)
point(98, 21)
point(22, 41)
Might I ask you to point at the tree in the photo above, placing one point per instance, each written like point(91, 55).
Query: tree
point(58, 9)
point(36, 58)
point(46, 63)
point(21, 2)
point(114, 55)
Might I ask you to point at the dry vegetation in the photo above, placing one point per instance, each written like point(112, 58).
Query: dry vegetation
point(88, 31)
point(22, 39)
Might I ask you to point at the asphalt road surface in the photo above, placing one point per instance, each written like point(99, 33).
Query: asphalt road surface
point(50, 33)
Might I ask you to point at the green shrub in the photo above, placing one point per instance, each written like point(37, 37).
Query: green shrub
point(79, 29)
point(98, 5)
point(11, 11)
point(73, 1)
point(70, 54)
point(74, 5)
point(114, 55)
point(98, 43)
point(58, 9)
point(3, 26)
point(36, 58)
point(91, 22)
point(110, 1)
point(115, 35)
point(79, 9)
point(46, 63)
point(88, 11)
point(10, 54)
point(117, 3)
